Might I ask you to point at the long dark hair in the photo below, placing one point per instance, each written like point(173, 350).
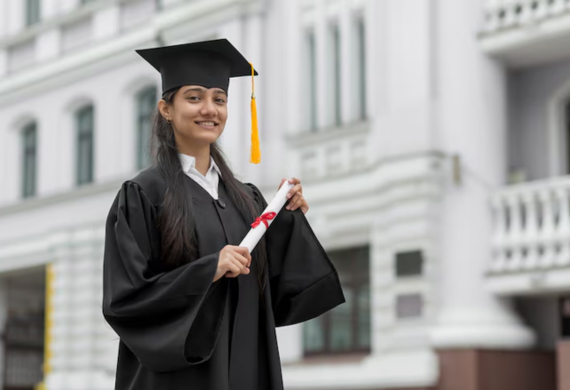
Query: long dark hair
point(175, 220)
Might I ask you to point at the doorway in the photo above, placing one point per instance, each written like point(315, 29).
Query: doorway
point(23, 335)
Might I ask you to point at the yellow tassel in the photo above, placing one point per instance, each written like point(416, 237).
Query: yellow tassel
point(255, 149)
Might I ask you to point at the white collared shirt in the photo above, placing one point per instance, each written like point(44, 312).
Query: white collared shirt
point(208, 182)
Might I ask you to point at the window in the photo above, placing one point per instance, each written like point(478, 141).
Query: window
point(84, 157)
point(409, 264)
point(334, 75)
point(32, 12)
point(29, 157)
point(361, 68)
point(409, 306)
point(312, 79)
point(145, 104)
point(346, 328)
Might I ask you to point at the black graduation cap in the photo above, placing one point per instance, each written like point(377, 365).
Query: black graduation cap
point(209, 64)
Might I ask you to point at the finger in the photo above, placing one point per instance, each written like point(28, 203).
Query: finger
point(294, 180)
point(297, 204)
point(248, 257)
point(295, 190)
point(242, 259)
point(233, 270)
point(242, 250)
point(294, 201)
point(242, 267)
point(236, 267)
point(282, 181)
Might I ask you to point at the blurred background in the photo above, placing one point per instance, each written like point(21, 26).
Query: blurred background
point(431, 137)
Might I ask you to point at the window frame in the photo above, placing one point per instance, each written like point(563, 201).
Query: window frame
point(358, 280)
point(32, 12)
point(85, 134)
point(335, 73)
point(29, 152)
point(361, 58)
point(311, 109)
point(143, 136)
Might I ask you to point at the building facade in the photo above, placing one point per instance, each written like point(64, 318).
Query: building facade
point(431, 138)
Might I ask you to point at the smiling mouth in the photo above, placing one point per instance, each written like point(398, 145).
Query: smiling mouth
point(207, 123)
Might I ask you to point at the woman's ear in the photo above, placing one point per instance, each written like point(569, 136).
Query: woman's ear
point(164, 109)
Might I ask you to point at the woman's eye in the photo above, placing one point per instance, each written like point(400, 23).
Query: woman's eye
point(220, 100)
point(195, 98)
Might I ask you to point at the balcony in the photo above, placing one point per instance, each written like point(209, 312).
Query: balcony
point(526, 32)
point(531, 239)
point(332, 153)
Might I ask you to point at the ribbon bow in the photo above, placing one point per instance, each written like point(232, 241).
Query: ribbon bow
point(264, 218)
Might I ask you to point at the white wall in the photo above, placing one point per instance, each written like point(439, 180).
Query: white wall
point(111, 93)
point(531, 123)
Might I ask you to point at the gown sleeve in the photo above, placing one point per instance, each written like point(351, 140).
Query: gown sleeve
point(170, 320)
point(303, 281)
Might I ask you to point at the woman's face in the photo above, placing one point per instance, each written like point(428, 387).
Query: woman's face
point(198, 114)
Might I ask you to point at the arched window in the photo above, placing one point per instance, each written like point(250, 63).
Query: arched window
point(144, 106)
point(29, 159)
point(84, 124)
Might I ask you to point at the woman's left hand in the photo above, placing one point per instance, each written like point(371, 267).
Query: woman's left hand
point(295, 196)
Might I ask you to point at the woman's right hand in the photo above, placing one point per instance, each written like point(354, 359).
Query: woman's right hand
point(233, 261)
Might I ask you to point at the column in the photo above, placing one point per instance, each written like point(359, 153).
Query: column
point(471, 89)
point(3, 318)
point(348, 52)
point(322, 68)
point(15, 16)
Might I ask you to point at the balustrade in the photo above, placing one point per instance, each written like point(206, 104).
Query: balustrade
point(532, 226)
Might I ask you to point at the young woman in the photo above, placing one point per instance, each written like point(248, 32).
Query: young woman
point(194, 310)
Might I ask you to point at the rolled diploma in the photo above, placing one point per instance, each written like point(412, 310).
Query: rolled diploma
point(254, 235)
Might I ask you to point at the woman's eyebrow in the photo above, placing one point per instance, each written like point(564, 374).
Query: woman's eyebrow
point(195, 89)
point(198, 89)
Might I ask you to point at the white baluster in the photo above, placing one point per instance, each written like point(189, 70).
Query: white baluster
point(514, 237)
point(526, 14)
point(530, 233)
point(541, 9)
point(563, 231)
point(491, 22)
point(546, 232)
point(510, 16)
point(499, 261)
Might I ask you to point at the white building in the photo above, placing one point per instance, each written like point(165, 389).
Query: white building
point(432, 139)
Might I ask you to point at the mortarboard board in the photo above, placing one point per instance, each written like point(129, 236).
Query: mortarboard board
point(209, 64)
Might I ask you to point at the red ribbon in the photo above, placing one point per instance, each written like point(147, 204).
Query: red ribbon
point(264, 218)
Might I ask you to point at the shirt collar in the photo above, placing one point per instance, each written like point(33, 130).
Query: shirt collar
point(189, 162)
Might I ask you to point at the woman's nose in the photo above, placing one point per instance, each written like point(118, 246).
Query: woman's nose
point(208, 108)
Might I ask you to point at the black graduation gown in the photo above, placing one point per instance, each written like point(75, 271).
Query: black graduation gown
point(180, 331)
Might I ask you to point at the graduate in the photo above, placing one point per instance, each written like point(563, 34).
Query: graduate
point(193, 310)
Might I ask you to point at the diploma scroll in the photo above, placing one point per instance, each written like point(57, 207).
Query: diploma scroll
point(261, 224)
